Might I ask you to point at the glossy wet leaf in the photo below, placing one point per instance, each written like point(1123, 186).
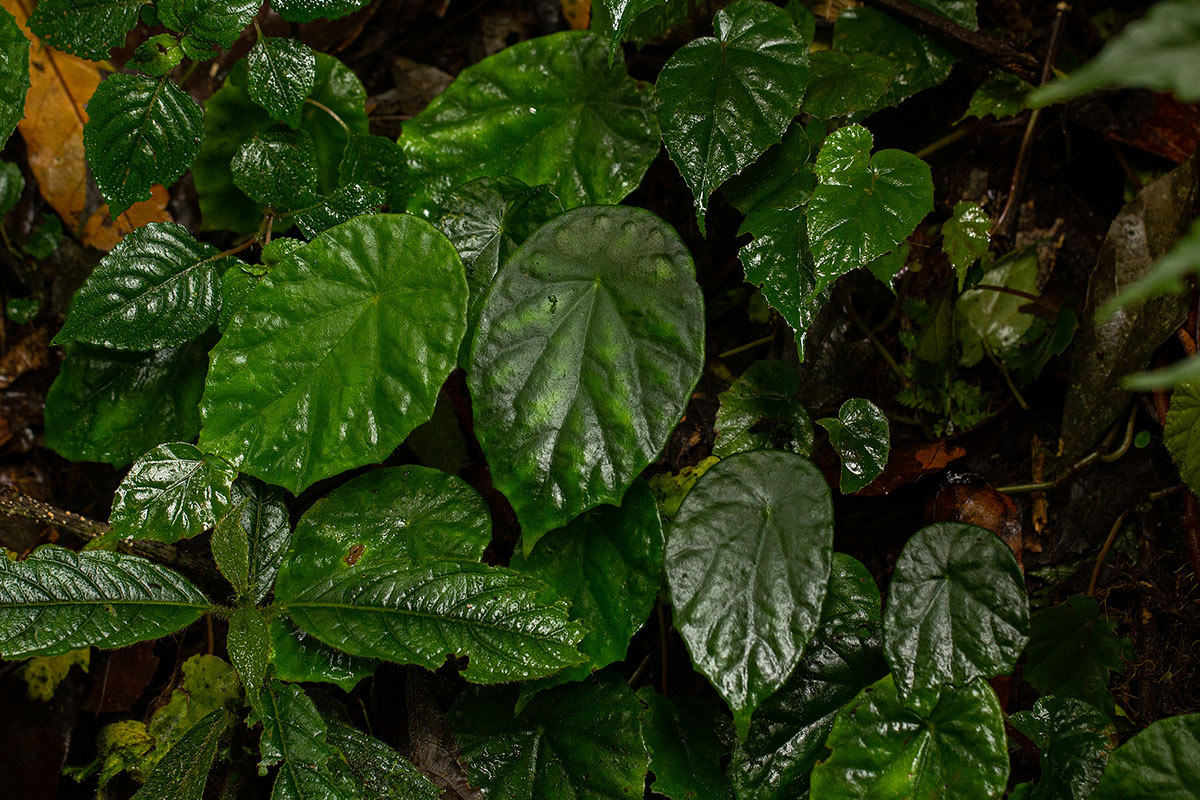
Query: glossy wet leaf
point(1073, 651)
point(309, 10)
point(376, 161)
point(864, 205)
point(249, 647)
point(643, 28)
point(14, 83)
point(140, 131)
point(781, 179)
point(56, 601)
point(595, 324)
point(378, 770)
point(400, 516)
point(761, 410)
point(607, 563)
point(501, 620)
point(880, 748)
point(206, 24)
point(344, 204)
point(1161, 51)
point(1074, 740)
point(548, 110)
point(991, 321)
point(300, 656)
point(965, 238)
point(578, 740)
point(1181, 434)
point(12, 184)
point(787, 733)
point(621, 14)
point(277, 168)
point(722, 101)
point(172, 492)
point(249, 542)
point(1160, 763)
point(843, 83)
point(157, 56)
point(157, 288)
point(293, 737)
point(283, 72)
point(113, 406)
point(183, 771)
point(338, 353)
point(957, 610)
point(861, 436)
point(684, 748)
point(84, 28)
point(748, 560)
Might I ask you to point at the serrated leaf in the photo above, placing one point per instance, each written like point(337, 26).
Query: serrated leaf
point(782, 179)
point(987, 320)
point(376, 161)
point(158, 288)
point(863, 206)
point(344, 204)
point(595, 323)
point(140, 131)
point(56, 601)
point(1074, 739)
point(685, 752)
point(760, 410)
point(338, 353)
point(277, 168)
point(173, 492)
point(208, 684)
point(621, 14)
point(183, 771)
point(249, 646)
point(113, 406)
point(300, 656)
point(748, 562)
point(293, 738)
point(883, 749)
point(965, 238)
point(1161, 763)
point(842, 83)
point(1181, 434)
point(787, 733)
point(283, 73)
point(258, 529)
point(85, 28)
point(14, 83)
point(1001, 95)
point(378, 770)
point(578, 740)
point(1161, 51)
point(579, 125)
point(1073, 650)
point(723, 101)
point(861, 436)
point(957, 610)
point(206, 23)
point(309, 10)
point(607, 563)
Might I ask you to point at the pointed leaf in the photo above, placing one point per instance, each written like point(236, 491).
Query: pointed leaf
point(173, 492)
point(1074, 739)
point(760, 410)
point(965, 238)
point(277, 168)
point(1160, 763)
point(622, 13)
point(14, 82)
point(378, 770)
point(293, 737)
point(208, 683)
point(85, 28)
point(183, 771)
point(249, 542)
point(1073, 650)
point(862, 438)
point(685, 752)
point(842, 83)
point(344, 204)
point(1167, 277)
point(300, 656)
point(283, 73)
point(249, 646)
point(206, 23)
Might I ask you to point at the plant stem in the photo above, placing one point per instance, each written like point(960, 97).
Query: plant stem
point(905, 381)
point(961, 132)
point(330, 112)
point(748, 346)
point(1033, 298)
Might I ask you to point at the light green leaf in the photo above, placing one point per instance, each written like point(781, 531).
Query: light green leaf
point(575, 123)
point(173, 492)
point(183, 771)
point(760, 410)
point(1001, 95)
point(344, 204)
point(249, 646)
point(157, 56)
point(309, 10)
point(787, 733)
point(1161, 51)
point(338, 353)
point(113, 406)
point(861, 436)
point(670, 488)
point(1073, 650)
point(206, 23)
point(277, 168)
point(882, 749)
point(782, 179)
point(283, 73)
point(56, 601)
point(987, 320)
point(1160, 763)
point(300, 656)
point(596, 323)
point(864, 206)
point(248, 543)
point(965, 237)
point(1181, 434)
point(157, 288)
point(842, 83)
point(1074, 739)
point(14, 83)
point(293, 737)
point(748, 561)
point(378, 770)
point(140, 131)
point(208, 684)
point(956, 610)
point(579, 740)
point(1167, 277)
point(85, 28)
point(685, 751)
point(498, 618)
point(723, 101)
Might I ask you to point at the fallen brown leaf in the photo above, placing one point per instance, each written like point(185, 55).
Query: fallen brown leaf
point(907, 464)
point(27, 354)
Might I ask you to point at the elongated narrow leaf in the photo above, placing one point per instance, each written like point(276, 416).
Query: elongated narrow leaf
point(249, 646)
point(748, 562)
point(497, 618)
point(596, 323)
point(85, 28)
point(760, 410)
point(56, 601)
point(206, 23)
point(575, 123)
point(157, 288)
point(293, 737)
point(140, 131)
point(182, 773)
point(338, 353)
point(379, 770)
point(250, 541)
point(1167, 277)
point(14, 83)
point(173, 492)
point(1160, 763)
point(1074, 738)
point(283, 73)
point(861, 436)
point(957, 610)
point(723, 101)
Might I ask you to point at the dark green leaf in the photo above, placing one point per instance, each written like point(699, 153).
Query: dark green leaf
point(14, 82)
point(842, 83)
point(344, 204)
point(157, 288)
point(182, 772)
point(1074, 739)
point(299, 656)
point(378, 770)
point(309, 10)
point(574, 741)
point(883, 749)
point(643, 28)
point(22, 310)
point(620, 14)
point(1181, 434)
point(113, 406)
point(723, 101)
point(249, 542)
point(379, 162)
point(84, 28)
point(920, 61)
point(1072, 651)
point(173, 492)
point(992, 321)
point(206, 23)
point(1001, 95)
point(748, 560)
point(12, 184)
point(45, 238)
point(596, 323)
point(787, 733)
point(338, 353)
point(293, 737)
point(957, 610)
point(278, 168)
point(862, 439)
point(782, 179)
point(575, 123)
point(965, 238)
point(1160, 763)
point(283, 73)
point(56, 601)
point(249, 646)
point(685, 751)
point(760, 410)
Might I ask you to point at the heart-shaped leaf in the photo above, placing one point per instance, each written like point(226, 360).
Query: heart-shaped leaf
point(748, 562)
point(760, 410)
point(338, 353)
point(283, 73)
point(1073, 651)
point(1074, 739)
point(862, 438)
point(173, 492)
point(965, 237)
point(1160, 763)
point(596, 323)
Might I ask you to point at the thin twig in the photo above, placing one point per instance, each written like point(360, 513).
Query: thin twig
point(1049, 305)
point(330, 112)
point(848, 305)
point(748, 346)
point(961, 132)
point(1012, 387)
